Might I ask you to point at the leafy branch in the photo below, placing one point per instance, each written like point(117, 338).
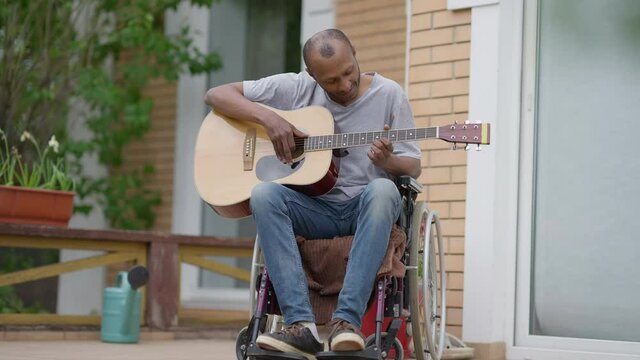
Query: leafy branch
point(99, 56)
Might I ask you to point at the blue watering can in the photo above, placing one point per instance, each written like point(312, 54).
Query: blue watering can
point(121, 307)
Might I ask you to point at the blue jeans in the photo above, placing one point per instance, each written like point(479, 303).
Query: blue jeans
point(280, 212)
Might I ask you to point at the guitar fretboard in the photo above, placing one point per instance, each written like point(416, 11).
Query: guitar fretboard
point(337, 141)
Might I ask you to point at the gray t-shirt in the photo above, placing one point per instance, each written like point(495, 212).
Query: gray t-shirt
point(383, 103)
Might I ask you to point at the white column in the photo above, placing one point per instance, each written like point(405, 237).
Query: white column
point(187, 208)
point(481, 266)
point(492, 175)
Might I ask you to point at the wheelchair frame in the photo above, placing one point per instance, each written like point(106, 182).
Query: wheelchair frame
point(419, 293)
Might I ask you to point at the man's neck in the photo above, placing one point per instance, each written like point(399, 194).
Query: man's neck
point(365, 82)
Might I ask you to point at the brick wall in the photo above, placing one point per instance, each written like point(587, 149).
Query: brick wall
point(157, 148)
point(438, 90)
point(377, 29)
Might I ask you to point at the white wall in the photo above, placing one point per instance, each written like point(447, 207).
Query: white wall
point(187, 208)
point(80, 292)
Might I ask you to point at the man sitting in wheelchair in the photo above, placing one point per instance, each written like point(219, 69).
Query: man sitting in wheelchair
point(365, 202)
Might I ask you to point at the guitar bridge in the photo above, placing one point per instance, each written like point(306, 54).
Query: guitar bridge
point(249, 149)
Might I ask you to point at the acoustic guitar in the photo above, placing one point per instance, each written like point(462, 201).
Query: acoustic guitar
point(232, 156)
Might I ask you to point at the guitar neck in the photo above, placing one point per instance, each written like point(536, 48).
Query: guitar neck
point(346, 140)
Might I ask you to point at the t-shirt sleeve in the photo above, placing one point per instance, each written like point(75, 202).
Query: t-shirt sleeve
point(402, 118)
point(279, 91)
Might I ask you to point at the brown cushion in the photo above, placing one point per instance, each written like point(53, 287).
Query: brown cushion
point(325, 264)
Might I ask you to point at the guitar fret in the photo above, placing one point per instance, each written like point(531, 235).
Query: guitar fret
point(345, 140)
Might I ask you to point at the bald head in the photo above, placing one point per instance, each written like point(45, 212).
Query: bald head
point(322, 42)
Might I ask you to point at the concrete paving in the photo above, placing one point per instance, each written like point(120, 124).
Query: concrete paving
point(210, 349)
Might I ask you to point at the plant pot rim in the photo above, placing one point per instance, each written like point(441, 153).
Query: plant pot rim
point(22, 188)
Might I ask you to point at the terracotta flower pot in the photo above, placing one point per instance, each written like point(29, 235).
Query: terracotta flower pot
point(35, 206)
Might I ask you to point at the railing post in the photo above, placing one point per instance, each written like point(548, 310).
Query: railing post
point(164, 283)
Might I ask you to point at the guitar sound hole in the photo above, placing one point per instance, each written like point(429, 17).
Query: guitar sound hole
point(297, 154)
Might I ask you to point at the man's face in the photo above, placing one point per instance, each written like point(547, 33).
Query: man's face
point(338, 75)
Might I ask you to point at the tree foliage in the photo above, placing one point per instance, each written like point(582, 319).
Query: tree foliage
point(94, 58)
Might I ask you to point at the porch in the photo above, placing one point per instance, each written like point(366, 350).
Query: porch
point(161, 253)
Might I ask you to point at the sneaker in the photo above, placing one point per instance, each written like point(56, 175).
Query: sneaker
point(295, 338)
point(345, 337)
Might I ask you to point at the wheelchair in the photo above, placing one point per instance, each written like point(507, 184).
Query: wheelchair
point(411, 308)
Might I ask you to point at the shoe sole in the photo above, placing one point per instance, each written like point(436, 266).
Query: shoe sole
point(269, 343)
point(347, 342)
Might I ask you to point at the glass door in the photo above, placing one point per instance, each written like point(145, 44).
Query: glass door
point(578, 284)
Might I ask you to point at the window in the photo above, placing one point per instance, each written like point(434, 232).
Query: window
point(255, 38)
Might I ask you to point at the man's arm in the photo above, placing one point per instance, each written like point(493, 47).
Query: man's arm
point(381, 154)
point(229, 99)
point(403, 165)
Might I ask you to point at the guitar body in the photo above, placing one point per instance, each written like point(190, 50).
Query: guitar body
point(233, 156)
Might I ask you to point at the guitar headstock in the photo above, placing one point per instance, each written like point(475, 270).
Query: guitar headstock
point(466, 133)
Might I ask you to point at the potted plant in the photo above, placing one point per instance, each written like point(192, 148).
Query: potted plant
point(34, 189)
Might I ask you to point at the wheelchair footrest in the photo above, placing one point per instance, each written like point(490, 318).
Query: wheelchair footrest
point(370, 353)
point(259, 354)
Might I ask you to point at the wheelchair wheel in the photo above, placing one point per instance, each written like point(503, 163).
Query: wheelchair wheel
point(257, 264)
point(427, 287)
point(395, 352)
point(242, 340)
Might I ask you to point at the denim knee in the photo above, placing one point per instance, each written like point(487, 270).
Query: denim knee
point(382, 197)
point(382, 189)
point(265, 196)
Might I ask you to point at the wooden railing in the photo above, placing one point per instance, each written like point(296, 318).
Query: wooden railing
point(162, 254)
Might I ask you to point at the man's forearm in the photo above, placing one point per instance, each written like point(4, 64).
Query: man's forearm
point(403, 165)
point(229, 100)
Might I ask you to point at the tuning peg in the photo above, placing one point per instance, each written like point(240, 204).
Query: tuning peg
point(478, 148)
point(467, 122)
point(455, 146)
point(467, 147)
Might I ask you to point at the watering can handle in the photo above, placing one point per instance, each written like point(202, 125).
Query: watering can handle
point(122, 281)
point(134, 279)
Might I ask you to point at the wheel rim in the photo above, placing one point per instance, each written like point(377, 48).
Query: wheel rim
point(418, 325)
point(427, 327)
point(430, 292)
point(436, 281)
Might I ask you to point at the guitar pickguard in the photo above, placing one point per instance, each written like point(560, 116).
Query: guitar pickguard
point(269, 168)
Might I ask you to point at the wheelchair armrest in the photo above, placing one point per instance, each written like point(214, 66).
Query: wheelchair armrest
point(410, 184)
